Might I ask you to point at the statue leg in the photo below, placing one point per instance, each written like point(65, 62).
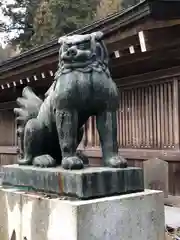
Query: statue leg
point(54, 157)
point(33, 137)
point(67, 128)
point(36, 145)
point(20, 136)
point(107, 128)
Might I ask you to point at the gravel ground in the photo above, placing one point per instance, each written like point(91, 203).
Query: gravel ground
point(172, 221)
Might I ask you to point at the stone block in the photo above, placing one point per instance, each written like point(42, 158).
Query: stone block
point(156, 175)
point(10, 215)
point(83, 184)
point(138, 216)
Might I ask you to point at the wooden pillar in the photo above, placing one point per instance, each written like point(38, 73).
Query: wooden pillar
point(176, 112)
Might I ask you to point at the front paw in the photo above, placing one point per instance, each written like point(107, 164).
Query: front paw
point(73, 162)
point(44, 161)
point(117, 162)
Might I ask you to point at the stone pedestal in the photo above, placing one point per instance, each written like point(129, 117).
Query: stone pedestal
point(136, 216)
point(83, 184)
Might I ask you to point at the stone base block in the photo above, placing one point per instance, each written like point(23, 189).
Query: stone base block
point(136, 216)
point(83, 184)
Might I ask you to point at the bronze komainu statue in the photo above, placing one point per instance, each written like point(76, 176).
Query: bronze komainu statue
point(51, 130)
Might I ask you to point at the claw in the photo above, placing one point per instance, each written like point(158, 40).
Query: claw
point(44, 161)
point(117, 162)
point(72, 163)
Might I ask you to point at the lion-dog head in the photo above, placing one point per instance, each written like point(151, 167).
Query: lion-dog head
point(80, 51)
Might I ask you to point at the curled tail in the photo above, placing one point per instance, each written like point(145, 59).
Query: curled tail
point(28, 107)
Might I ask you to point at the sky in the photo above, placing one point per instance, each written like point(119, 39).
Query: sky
point(2, 34)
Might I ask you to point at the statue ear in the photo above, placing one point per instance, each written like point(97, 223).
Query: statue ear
point(61, 40)
point(97, 35)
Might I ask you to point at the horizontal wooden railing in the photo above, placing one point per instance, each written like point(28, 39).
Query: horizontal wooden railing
point(136, 154)
point(12, 150)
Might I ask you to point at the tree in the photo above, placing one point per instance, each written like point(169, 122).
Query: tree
point(42, 24)
point(55, 18)
point(19, 24)
point(129, 3)
point(34, 22)
point(7, 52)
point(107, 7)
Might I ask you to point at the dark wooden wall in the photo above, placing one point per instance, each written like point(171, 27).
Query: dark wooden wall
point(8, 144)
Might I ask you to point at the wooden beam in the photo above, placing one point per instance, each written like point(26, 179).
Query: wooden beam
point(52, 60)
point(176, 111)
point(108, 26)
point(7, 105)
point(165, 51)
point(154, 35)
point(156, 38)
point(122, 44)
point(162, 58)
point(142, 41)
point(117, 26)
point(138, 154)
point(160, 75)
point(34, 67)
point(149, 25)
point(9, 150)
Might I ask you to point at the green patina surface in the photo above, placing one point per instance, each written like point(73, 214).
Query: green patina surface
point(83, 184)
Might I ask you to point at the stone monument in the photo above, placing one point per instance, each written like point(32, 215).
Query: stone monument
point(152, 177)
point(50, 131)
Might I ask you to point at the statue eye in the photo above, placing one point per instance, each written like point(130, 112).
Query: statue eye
point(65, 47)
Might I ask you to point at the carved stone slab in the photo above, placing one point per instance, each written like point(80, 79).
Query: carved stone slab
point(156, 175)
point(83, 184)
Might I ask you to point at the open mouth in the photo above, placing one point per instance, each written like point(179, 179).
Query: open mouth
point(76, 56)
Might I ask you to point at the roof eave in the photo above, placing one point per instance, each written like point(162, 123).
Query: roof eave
point(107, 26)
